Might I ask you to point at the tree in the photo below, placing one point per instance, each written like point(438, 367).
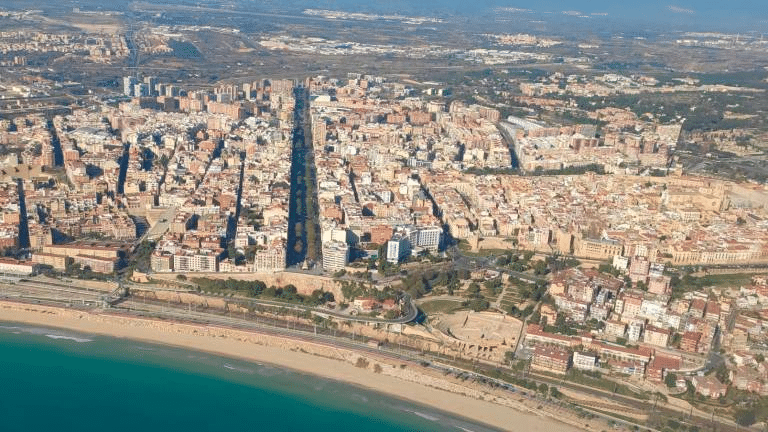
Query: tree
point(540, 267)
point(670, 380)
point(348, 291)
point(527, 311)
point(560, 320)
point(722, 374)
point(474, 288)
point(494, 285)
point(535, 318)
point(478, 304)
point(231, 251)
point(745, 417)
point(391, 314)
point(256, 288)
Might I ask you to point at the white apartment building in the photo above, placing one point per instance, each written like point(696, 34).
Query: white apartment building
point(584, 361)
point(335, 256)
point(270, 260)
point(195, 262)
point(428, 238)
point(398, 248)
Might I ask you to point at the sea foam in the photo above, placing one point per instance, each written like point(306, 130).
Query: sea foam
point(239, 369)
point(426, 416)
point(72, 338)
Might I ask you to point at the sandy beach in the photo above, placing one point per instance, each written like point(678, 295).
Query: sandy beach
point(413, 382)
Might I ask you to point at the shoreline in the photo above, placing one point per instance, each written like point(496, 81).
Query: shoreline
point(412, 383)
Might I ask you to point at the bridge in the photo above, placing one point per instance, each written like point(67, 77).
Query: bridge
point(115, 296)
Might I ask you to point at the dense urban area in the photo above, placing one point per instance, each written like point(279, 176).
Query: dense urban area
point(519, 209)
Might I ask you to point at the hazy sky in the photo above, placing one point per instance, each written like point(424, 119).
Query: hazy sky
point(735, 14)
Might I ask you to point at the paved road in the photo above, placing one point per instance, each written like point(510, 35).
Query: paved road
point(409, 308)
point(469, 262)
point(69, 293)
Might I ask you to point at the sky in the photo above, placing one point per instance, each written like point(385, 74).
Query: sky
point(701, 15)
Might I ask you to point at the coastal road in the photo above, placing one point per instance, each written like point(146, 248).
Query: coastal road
point(410, 310)
point(67, 292)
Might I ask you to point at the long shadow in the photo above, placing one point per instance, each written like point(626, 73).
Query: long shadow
point(124, 159)
point(58, 155)
point(23, 223)
point(297, 209)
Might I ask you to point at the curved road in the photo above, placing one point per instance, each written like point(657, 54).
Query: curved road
point(409, 308)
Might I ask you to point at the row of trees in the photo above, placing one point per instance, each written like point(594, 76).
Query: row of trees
point(539, 171)
point(287, 293)
point(527, 290)
point(354, 289)
point(523, 262)
point(542, 388)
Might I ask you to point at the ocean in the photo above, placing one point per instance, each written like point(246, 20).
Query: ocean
point(56, 380)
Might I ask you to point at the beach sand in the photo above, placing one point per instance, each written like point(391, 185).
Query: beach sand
point(422, 386)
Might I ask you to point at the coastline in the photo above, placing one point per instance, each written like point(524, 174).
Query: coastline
point(412, 383)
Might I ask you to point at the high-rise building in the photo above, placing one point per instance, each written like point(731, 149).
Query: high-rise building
point(429, 237)
point(140, 90)
point(398, 248)
point(128, 85)
point(335, 256)
point(151, 83)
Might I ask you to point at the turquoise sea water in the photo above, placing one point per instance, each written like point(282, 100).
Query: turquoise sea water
point(55, 380)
